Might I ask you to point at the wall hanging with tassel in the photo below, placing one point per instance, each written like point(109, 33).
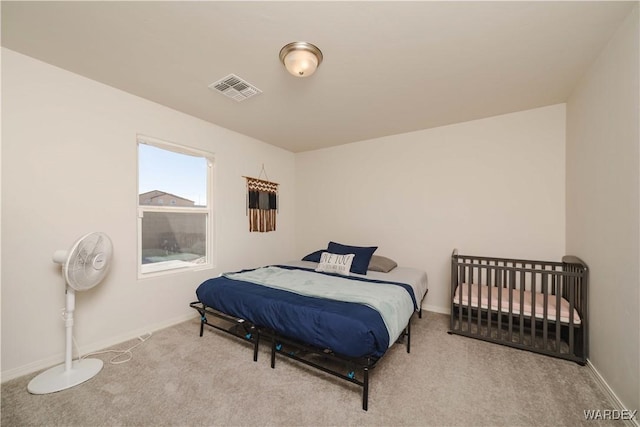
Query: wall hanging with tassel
point(262, 203)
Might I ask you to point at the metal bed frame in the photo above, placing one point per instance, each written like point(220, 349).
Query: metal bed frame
point(230, 325)
point(541, 334)
point(357, 369)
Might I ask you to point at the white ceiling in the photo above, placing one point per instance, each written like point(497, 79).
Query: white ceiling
point(389, 67)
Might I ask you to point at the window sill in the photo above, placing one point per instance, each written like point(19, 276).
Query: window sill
point(170, 267)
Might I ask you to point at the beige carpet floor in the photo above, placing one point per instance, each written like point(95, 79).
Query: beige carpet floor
point(177, 378)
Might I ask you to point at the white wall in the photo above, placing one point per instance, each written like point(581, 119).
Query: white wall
point(69, 161)
point(603, 206)
point(488, 187)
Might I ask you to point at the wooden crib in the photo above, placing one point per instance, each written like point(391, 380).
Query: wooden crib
point(539, 306)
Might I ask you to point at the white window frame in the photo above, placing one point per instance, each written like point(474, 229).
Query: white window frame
point(172, 267)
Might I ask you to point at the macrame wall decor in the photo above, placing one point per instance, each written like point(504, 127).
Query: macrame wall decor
point(262, 203)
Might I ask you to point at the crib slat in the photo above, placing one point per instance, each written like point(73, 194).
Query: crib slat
point(510, 289)
point(558, 312)
point(545, 325)
point(469, 309)
point(522, 289)
point(460, 282)
point(533, 308)
point(489, 310)
point(500, 274)
point(480, 300)
point(571, 283)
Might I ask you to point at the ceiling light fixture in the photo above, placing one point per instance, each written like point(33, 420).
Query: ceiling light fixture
point(301, 58)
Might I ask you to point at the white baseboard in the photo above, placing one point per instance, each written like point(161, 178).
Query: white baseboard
point(97, 346)
point(615, 401)
point(436, 309)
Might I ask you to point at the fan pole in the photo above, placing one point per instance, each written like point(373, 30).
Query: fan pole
point(70, 373)
point(68, 324)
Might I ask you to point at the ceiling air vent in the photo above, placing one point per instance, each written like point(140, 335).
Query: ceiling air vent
point(235, 87)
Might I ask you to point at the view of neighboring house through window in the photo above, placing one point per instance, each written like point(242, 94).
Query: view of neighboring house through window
point(174, 207)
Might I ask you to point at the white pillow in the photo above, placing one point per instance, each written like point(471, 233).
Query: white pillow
point(334, 263)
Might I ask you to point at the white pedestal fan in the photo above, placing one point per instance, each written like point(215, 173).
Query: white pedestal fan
point(83, 266)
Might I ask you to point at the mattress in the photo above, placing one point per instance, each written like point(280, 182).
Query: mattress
point(345, 327)
point(529, 301)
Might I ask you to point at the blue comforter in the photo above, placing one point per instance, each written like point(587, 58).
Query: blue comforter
point(347, 328)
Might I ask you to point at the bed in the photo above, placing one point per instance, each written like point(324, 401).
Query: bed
point(540, 306)
point(335, 317)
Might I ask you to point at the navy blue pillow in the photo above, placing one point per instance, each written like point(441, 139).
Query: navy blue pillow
point(314, 256)
point(362, 254)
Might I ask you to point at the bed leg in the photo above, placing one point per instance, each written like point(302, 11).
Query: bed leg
point(409, 336)
point(365, 390)
point(255, 346)
point(203, 319)
point(273, 353)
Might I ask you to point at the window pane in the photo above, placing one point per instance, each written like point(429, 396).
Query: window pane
point(167, 178)
point(178, 239)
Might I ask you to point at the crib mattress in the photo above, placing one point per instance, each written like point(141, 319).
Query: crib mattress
point(528, 302)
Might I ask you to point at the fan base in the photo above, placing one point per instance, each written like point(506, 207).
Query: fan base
point(57, 379)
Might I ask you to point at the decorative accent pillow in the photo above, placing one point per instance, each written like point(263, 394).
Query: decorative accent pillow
point(334, 263)
point(382, 264)
point(314, 256)
point(362, 255)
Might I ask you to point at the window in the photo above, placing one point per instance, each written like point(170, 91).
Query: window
point(179, 234)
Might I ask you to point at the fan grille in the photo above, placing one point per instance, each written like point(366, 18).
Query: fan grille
point(88, 261)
